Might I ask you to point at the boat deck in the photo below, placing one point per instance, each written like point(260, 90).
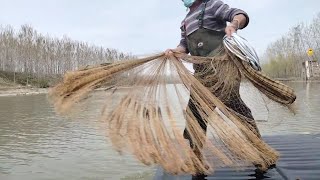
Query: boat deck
point(300, 160)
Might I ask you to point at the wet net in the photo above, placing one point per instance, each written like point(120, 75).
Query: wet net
point(166, 115)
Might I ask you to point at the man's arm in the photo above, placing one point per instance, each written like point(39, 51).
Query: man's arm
point(224, 12)
point(238, 18)
point(182, 47)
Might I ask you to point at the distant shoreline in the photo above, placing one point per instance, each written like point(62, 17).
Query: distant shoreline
point(7, 91)
point(297, 79)
point(21, 91)
point(12, 91)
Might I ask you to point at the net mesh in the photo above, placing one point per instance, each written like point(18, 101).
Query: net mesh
point(165, 115)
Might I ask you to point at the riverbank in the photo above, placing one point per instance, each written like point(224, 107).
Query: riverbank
point(294, 79)
point(27, 91)
point(21, 91)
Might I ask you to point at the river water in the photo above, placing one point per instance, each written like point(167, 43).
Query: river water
point(36, 143)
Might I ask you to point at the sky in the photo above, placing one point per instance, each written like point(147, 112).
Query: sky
point(144, 27)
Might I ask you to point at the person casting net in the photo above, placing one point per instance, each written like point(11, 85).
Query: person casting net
point(144, 120)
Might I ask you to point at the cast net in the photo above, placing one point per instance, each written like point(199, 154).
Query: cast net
point(161, 110)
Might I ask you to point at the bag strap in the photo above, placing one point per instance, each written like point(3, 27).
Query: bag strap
point(201, 15)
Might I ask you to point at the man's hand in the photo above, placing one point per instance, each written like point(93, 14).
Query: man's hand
point(169, 52)
point(179, 49)
point(230, 29)
point(238, 22)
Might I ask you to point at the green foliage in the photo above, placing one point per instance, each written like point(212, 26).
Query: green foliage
point(27, 79)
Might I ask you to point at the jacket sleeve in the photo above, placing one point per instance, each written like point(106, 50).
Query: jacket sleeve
point(222, 11)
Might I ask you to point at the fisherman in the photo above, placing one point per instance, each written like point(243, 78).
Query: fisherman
point(202, 33)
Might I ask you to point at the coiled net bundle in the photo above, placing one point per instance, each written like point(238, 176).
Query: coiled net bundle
point(145, 120)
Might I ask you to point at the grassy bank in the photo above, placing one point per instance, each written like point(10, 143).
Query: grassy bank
point(27, 79)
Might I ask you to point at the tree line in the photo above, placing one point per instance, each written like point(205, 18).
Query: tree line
point(29, 57)
point(286, 55)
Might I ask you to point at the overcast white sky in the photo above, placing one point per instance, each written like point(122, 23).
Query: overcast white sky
point(147, 26)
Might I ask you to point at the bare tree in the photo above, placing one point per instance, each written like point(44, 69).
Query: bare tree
point(285, 56)
point(37, 58)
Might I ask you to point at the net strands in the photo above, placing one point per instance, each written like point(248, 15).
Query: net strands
point(146, 121)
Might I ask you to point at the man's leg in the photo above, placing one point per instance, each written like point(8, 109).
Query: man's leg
point(236, 104)
point(240, 107)
point(197, 147)
point(200, 121)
